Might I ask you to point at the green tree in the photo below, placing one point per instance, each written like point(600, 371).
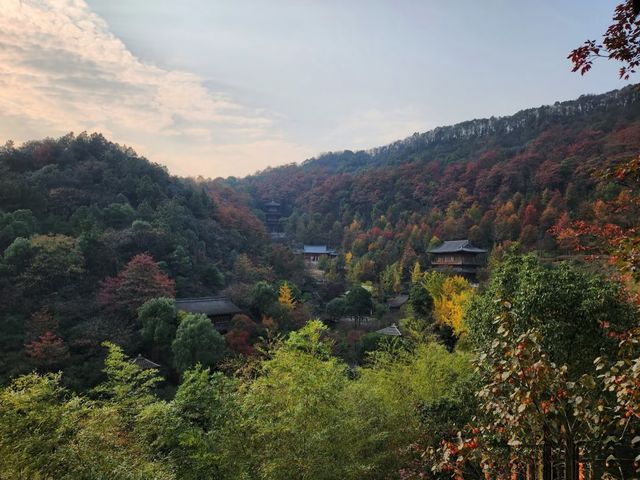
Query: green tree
point(263, 296)
point(421, 302)
point(45, 262)
point(566, 306)
point(358, 303)
point(158, 318)
point(197, 341)
point(192, 429)
point(127, 386)
point(336, 308)
point(48, 432)
point(293, 417)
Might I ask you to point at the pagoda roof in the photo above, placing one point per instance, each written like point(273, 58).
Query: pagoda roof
point(391, 331)
point(144, 363)
point(457, 246)
point(208, 305)
point(397, 301)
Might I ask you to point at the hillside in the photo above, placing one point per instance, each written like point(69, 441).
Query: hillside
point(493, 180)
point(73, 213)
point(76, 213)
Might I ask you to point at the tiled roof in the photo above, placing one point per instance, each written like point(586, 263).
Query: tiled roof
point(455, 246)
point(391, 331)
point(318, 249)
point(144, 363)
point(397, 301)
point(208, 305)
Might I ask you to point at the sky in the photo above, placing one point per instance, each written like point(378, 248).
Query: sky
point(227, 88)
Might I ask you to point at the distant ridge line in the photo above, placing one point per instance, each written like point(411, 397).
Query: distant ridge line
point(478, 128)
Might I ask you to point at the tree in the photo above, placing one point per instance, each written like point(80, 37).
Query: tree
point(421, 302)
point(48, 352)
point(391, 278)
point(238, 341)
point(621, 42)
point(416, 273)
point(620, 420)
point(197, 341)
point(450, 307)
point(141, 280)
point(45, 262)
point(565, 305)
point(35, 427)
point(40, 322)
point(47, 431)
point(528, 411)
point(190, 433)
point(285, 296)
point(263, 296)
point(411, 385)
point(336, 308)
point(158, 318)
point(306, 424)
point(128, 386)
point(434, 282)
point(358, 303)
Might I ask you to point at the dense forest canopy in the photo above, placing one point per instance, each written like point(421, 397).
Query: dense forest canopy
point(493, 181)
point(97, 243)
point(528, 369)
point(75, 213)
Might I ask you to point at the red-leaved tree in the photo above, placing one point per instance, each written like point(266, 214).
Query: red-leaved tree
point(48, 351)
point(621, 42)
point(141, 280)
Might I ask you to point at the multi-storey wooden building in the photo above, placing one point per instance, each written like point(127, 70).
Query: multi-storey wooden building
point(273, 219)
point(459, 257)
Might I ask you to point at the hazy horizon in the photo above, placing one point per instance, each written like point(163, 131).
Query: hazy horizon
point(231, 88)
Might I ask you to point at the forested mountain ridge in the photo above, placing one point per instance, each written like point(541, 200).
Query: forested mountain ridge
point(493, 180)
point(76, 214)
point(514, 130)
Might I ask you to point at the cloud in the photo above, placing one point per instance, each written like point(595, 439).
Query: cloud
point(61, 70)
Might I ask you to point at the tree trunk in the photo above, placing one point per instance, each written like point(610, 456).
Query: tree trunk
point(547, 467)
point(570, 460)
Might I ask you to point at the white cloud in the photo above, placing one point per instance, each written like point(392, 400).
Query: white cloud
point(62, 70)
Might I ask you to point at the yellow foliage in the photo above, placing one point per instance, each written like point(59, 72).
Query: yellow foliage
point(285, 296)
point(348, 257)
point(416, 273)
point(451, 305)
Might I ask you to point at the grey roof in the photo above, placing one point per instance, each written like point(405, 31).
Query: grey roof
point(144, 363)
point(272, 204)
point(456, 246)
point(391, 331)
point(208, 305)
point(319, 249)
point(397, 301)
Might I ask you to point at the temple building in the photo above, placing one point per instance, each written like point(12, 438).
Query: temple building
point(314, 253)
point(144, 363)
point(459, 257)
point(273, 219)
point(219, 309)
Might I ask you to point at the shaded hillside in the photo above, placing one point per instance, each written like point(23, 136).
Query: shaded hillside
point(74, 212)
